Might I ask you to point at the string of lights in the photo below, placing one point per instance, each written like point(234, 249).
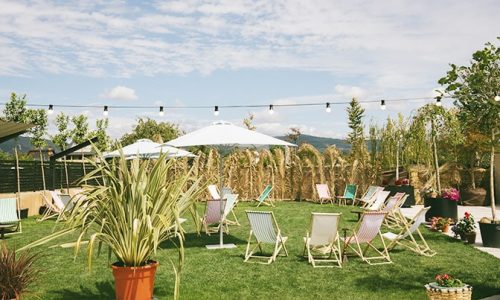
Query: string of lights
point(216, 108)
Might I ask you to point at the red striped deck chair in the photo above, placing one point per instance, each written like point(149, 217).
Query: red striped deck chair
point(365, 232)
point(213, 216)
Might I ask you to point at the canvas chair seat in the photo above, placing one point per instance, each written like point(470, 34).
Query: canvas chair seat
point(9, 217)
point(213, 216)
point(322, 242)
point(349, 194)
point(264, 197)
point(324, 193)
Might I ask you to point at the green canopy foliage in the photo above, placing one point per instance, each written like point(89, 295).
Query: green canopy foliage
point(147, 129)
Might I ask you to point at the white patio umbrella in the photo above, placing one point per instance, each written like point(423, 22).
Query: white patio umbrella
point(148, 149)
point(225, 135)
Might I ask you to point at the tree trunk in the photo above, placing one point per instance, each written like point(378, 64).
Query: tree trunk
point(492, 179)
point(434, 153)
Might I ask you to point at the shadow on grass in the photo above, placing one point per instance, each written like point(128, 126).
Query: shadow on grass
point(103, 290)
point(192, 240)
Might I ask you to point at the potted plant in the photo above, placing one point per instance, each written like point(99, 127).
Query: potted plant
point(448, 287)
point(440, 224)
point(136, 207)
point(466, 229)
point(17, 272)
point(443, 206)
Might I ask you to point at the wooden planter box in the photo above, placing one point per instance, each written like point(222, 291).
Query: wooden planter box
point(23, 213)
point(441, 207)
point(407, 189)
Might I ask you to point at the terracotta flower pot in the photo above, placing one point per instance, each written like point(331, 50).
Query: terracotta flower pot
point(445, 228)
point(134, 283)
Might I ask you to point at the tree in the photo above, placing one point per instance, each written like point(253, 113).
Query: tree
point(103, 139)
point(148, 128)
point(475, 89)
point(356, 137)
point(37, 117)
point(248, 122)
point(294, 135)
point(61, 138)
point(80, 132)
point(15, 109)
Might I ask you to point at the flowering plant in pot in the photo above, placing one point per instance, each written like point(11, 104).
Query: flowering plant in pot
point(451, 194)
point(403, 181)
point(448, 287)
point(439, 223)
point(466, 228)
point(135, 207)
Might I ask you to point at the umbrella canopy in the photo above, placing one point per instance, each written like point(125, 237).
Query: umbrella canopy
point(226, 134)
point(145, 148)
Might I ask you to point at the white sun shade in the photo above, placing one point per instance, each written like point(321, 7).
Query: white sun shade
point(145, 148)
point(226, 134)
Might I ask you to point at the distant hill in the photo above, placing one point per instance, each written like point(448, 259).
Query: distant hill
point(24, 145)
point(321, 143)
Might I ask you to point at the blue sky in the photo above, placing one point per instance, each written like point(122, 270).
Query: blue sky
point(193, 52)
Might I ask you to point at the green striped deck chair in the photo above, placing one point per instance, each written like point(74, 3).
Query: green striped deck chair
point(265, 196)
point(349, 194)
point(264, 230)
point(9, 218)
point(368, 195)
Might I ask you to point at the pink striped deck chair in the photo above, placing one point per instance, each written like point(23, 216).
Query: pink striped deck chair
point(365, 232)
point(395, 218)
point(213, 216)
point(324, 193)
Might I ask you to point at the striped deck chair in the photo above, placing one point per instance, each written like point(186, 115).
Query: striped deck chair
point(10, 222)
point(54, 206)
point(265, 230)
point(322, 242)
point(367, 229)
point(394, 218)
point(368, 195)
point(373, 197)
point(213, 216)
point(231, 200)
point(349, 194)
point(324, 193)
point(265, 196)
point(379, 201)
point(225, 191)
point(214, 192)
point(406, 237)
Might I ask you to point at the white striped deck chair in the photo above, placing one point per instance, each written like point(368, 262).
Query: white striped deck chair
point(369, 201)
point(225, 191)
point(231, 200)
point(213, 216)
point(406, 237)
point(367, 229)
point(10, 221)
point(265, 230)
point(324, 193)
point(368, 195)
point(379, 201)
point(322, 241)
point(54, 207)
point(394, 218)
point(214, 192)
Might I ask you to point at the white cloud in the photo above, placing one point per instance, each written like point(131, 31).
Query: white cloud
point(120, 93)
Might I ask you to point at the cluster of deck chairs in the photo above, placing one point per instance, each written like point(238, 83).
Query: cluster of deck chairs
point(324, 246)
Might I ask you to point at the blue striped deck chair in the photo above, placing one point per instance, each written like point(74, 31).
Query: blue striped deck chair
point(9, 217)
point(264, 230)
point(265, 196)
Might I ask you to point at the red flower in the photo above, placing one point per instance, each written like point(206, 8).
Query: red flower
point(467, 215)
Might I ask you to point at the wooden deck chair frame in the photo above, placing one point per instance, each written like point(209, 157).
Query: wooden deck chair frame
point(265, 195)
point(383, 258)
point(213, 207)
point(324, 193)
point(11, 223)
point(395, 219)
point(231, 199)
point(54, 207)
point(345, 197)
point(370, 191)
point(406, 237)
point(373, 197)
point(326, 253)
point(273, 237)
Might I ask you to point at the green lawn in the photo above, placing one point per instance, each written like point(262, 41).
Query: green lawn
point(222, 274)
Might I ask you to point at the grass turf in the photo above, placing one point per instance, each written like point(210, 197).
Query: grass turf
point(222, 274)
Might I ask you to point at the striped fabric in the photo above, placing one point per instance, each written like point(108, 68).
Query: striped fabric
point(213, 211)
point(369, 227)
point(262, 224)
point(324, 228)
point(369, 193)
point(399, 195)
point(230, 202)
point(379, 201)
point(57, 200)
point(350, 191)
point(214, 193)
point(265, 193)
point(417, 220)
point(391, 204)
point(8, 211)
point(323, 191)
point(225, 191)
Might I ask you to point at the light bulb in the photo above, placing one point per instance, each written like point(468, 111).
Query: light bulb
point(216, 111)
point(438, 102)
point(105, 111)
point(497, 98)
point(161, 112)
point(50, 110)
point(328, 108)
point(382, 104)
point(271, 109)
